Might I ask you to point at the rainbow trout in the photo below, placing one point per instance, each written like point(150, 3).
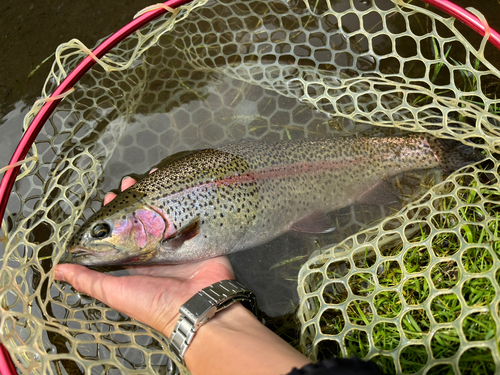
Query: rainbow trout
point(230, 198)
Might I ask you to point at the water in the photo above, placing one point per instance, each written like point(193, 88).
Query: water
point(20, 90)
point(24, 46)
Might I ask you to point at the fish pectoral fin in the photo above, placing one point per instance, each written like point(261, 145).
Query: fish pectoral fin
point(188, 231)
point(379, 193)
point(317, 222)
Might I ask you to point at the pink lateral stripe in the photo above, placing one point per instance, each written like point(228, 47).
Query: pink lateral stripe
point(276, 172)
point(286, 171)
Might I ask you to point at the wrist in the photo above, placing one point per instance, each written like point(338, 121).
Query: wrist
point(234, 320)
point(169, 327)
point(202, 307)
point(230, 318)
point(236, 342)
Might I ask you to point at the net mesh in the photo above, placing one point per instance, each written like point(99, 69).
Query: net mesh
point(417, 291)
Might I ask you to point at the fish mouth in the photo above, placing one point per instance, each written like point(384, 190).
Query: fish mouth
point(82, 252)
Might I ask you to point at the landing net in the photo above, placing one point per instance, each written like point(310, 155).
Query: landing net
point(418, 292)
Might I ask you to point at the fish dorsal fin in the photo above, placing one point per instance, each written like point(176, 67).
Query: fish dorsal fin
point(188, 231)
point(317, 222)
point(378, 194)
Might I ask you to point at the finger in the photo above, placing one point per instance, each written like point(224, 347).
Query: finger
point(153, 170)
point(109, 197)
point(85, 280)
point(106, 288)
point(150, 296)
point(127, 182)
point(184, 271)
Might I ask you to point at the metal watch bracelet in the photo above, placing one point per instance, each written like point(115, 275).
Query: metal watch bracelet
point(202, 307)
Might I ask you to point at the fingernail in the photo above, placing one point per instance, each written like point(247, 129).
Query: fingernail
point(109, 197)
point(126, 183)
point(58, 275)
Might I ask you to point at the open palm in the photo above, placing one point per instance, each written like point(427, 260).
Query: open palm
point(151, 294)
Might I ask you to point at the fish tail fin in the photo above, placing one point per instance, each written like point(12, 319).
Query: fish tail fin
point(453, 155)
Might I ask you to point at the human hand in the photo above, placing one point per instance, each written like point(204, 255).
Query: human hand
point(151, 294)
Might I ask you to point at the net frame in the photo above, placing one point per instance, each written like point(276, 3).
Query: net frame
point(55, 98)
point(51, 103)
point(471, 20)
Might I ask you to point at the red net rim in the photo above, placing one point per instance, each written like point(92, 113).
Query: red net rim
point(6, 365)
point(30, 135)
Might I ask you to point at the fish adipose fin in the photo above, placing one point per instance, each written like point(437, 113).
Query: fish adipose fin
point(378, 194)
point(453, 155)
point(317, 222)
point(188, 231)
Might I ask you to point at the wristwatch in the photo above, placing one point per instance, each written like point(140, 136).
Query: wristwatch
point(202, 307)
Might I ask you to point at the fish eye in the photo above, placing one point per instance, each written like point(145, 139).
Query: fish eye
point(100, 230)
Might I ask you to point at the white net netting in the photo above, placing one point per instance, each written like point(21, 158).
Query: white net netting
point(417, 292)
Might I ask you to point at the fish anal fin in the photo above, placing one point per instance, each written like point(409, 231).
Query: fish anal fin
point(187, 232)
point(317, 222)
point(379, 193)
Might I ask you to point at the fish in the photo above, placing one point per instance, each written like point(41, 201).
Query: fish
point(234, 197)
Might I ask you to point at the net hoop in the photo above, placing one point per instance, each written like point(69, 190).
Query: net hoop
point(466, 17)
point(6, 365)
point(7, 182)
point(48, 108)
point(36, 125)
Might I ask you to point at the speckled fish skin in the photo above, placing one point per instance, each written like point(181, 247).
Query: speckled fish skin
point(240, 195)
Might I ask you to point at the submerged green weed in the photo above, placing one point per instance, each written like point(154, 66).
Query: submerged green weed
point(454, 248)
